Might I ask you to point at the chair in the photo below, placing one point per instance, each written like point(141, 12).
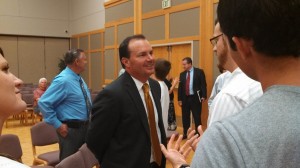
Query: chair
point(43, 134)
point(10, 144)
point(83, 158)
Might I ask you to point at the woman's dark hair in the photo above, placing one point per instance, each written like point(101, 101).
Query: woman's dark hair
point(162, 68)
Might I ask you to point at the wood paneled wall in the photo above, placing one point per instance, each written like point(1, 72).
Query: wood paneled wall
point(185, 21)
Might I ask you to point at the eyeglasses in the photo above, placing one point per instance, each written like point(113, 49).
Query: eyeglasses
point(215, 39)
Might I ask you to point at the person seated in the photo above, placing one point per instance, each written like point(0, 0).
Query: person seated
point(37, 93)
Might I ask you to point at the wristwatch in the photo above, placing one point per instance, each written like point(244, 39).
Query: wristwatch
point(185, 166)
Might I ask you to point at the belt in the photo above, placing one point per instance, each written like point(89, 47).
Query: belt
point(76, 123)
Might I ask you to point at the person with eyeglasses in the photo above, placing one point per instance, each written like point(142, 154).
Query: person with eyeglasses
point(66, 104)
point(238, 92)
point(264, 134)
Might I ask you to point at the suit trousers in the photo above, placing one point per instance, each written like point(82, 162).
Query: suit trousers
point(191, 103)
point(72, 142)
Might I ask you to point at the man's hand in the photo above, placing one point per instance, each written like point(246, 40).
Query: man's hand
point(180, 103)
point(193, 139)
point(63, 130)
point(203, 99)
point(174, 153)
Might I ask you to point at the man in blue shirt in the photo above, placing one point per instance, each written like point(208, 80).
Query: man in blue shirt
point(66, 104)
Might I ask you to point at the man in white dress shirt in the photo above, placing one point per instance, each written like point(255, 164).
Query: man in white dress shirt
point(240, 90)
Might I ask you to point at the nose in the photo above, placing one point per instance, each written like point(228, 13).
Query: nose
point(150, 56)
point(215, 48)
point(18, 82)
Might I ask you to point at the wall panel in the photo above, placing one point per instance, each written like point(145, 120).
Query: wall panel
point(9, 45)
point(95, 41)
point(184, 23)
point(124, 30)
point(154, 28)
point(31, 59)
point(74, 42)
point(84, 43)
point(109, 36)
point(96, 63)
point(148, 6)
point(54, 50)
point(109, 64)
point(124, 10)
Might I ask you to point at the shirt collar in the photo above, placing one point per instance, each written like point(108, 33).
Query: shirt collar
point(138, 83)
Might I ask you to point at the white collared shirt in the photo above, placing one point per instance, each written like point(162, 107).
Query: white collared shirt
point(239, 92)
point(139, 86)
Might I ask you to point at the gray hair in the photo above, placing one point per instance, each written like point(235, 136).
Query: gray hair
point(42, 80)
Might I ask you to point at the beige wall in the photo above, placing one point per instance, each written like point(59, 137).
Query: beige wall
point(85, 16)
point(34, 17)
point(54, 18)
point(31, 58)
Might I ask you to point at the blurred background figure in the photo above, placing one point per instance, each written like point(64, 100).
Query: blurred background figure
point(171, 83)
point(162, 69)
point(37, 93)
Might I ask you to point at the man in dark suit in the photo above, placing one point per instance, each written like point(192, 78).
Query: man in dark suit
point(191, 94)
point(120, 134)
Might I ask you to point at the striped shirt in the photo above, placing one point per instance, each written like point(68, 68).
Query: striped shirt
point(239, 92)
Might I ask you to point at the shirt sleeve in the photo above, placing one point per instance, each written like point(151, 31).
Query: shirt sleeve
point(216, 149)
point(225, 105)
point(53, 96)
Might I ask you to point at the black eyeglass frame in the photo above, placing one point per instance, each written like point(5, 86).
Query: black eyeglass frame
point(215, 39)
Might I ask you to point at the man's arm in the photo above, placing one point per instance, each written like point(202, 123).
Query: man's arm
point(53, 96)
point(105, 119)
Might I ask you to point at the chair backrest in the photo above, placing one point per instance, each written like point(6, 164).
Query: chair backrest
point(83, 158)
point(10, 144)
point(89, 158)
point(28, 98)
point(43, 134)
point(75, 160)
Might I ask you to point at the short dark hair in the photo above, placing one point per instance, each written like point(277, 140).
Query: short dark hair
point(272, 25)
point(188, 60)
point(162, 68)
point(71, 55)
point(123, 48)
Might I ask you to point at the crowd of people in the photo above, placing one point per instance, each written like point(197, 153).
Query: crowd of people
point(253, 111)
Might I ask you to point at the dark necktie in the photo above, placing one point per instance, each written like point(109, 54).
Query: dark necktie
point(86, 98)
point(187, 84)
point(152, 125)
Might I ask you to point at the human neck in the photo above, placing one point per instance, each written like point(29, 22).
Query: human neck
point(278, 71)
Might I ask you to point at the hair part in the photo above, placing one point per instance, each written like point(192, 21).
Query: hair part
point(72, 55)
point(123, 48)
point(272, 25)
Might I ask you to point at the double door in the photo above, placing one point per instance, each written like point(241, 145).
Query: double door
point(174, 54)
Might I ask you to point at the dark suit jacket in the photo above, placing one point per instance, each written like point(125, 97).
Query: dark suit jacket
point(119, 134)
point(199, 83)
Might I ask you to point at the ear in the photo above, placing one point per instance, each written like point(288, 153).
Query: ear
point(243, 46)
point(125, 61)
